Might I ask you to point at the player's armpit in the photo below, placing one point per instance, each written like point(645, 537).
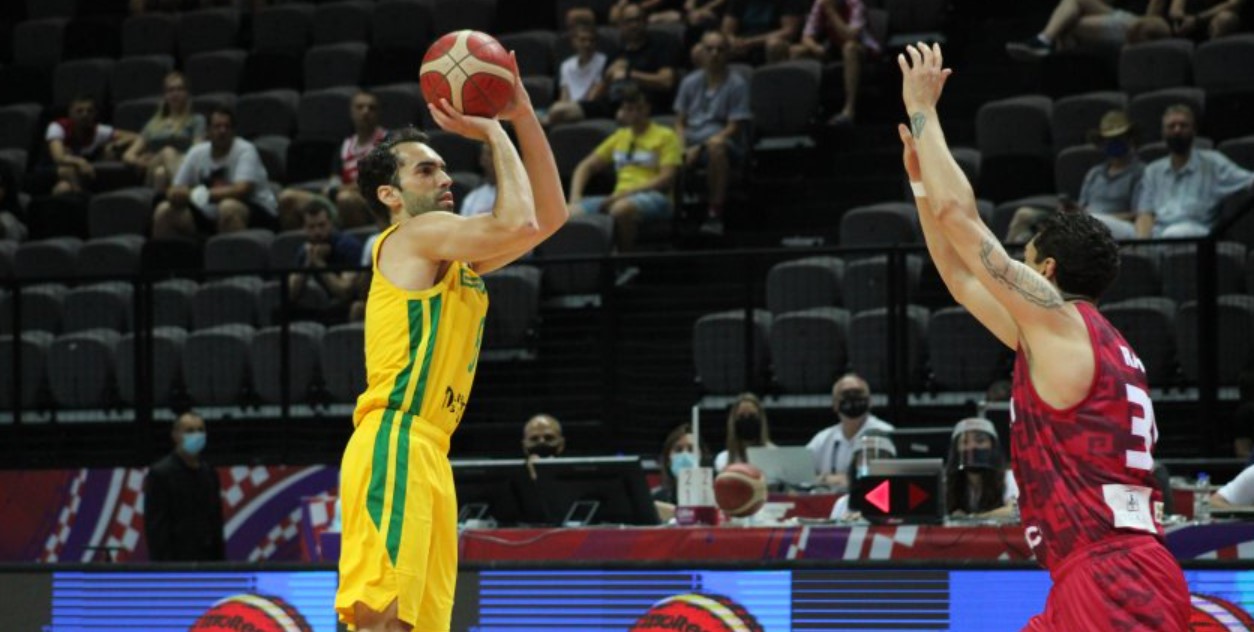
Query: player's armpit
point(443, 236)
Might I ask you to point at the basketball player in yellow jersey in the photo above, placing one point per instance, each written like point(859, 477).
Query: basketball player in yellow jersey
point(424, 322)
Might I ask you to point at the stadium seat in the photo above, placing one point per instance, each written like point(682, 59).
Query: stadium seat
point(37, 43)
point(79, 77)
point(121, 212)
point(515, 312)
point(1146, 109)
point(8, 250)
point(541, 90)
point(343, 361)
point(1235, 348)
point(1240, 151)
point(1015, 147)
point(1004, 213)
point(581, 236)
point(35, 346)
point(804, 284)
point(16, 159)
point(324, 114)
point(1154, 65)
point(272, 150)
point(885, 224)
point(206, 30)
point(204, 104)
point(264, 71)
point(337, 22)
point(1072, 165)
point(48, 258)
point(866, 282)
point(390, 65)
point(216, 364)
point(19, 125)
point(284, 28)
point(242, 251)
point(43, 9)
point(459, 153)
point(476, 15)
point(80, 368)
point(172, 303)
point(167, 365)
point(402, 24)
point(1221, 68)
point(868, 345)
point(228, 301)
point(1180, 271)
point(215, 71)
point(720, 355)
point(1149, 325)
point(149, 34)
point(310, 159)
point(572, 143)
point(1138, 277)
point(334, 66)
point(139, 78)
point(164, 256)
point(964, 354)
point(968, 159)
point(285, 247)
point(304, 346)
point(270, 112)
point(808, 348)
point(89, 36)
point(42, 308)
point(784, 98)
point(400, 105)
point(116, 256)
point(1073, 117)
point(534, 50)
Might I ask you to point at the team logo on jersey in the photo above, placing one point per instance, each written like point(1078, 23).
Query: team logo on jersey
point(697, 612)
point(256, 613)
point(1215, 614)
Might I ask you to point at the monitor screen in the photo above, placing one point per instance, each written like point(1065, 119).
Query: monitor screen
point(500, 490)
point(920, 443)
point(901, 491)
point(595, 490)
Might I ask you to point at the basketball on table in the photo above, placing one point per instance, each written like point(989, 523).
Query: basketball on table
point(470, 69)
point(740, 490)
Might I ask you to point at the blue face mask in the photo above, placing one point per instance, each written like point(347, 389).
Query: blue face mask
point(681, 461)
point(193, 442)
point(1116, 148)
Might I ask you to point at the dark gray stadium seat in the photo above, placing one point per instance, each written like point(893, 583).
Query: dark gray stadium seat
point(269, 112)
point(1235, 345)
point(304, 346)
point(116, 256)
point(105, 305)
point(227, 301)
point(1072, 165)
point(139, 77)
point(1138, 276)
point(334, 65)
point(808, 348)
point(866, 282)
point(18, 125)
point(1180, 272)
point(242, 251)
point(132, 115)
point(344, 361)
point(968, 159)
point(167, 365)
point(215, 71)
point(42, 308)
point(1149, 66)
point(48, 258)
point(534, 50)
point(1072, 117)
point(452, 15)
point(216, 364)
point(1146, 109)
point(1221, 67)
point(342, 22)
point(122, 212)
point(964, 354)
point(285, 248)
point(400, 105)
point(172, 303)
point(572, 143)
point(80, 368)
point(784, 98)
point(149, 34)
point(581, 236)
point(1240, 151)
point(543, 90)
point(324, 114)
point(38, 42)
point(206, 30)
point(884, 224)
point(272, 149)
point(515, 308)
point(284, 28)
point(402, 24)
point(34, 368)
point(1016, 150)
point(73, 79)
point(804, 284)
point(1149, 325)
point(868, 345)
point(8, 250)
point(720, 355)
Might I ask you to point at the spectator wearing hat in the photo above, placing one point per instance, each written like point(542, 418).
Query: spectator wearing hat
point(1109, 189)
point(978, 483)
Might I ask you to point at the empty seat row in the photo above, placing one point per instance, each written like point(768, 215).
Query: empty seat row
point(947, 349)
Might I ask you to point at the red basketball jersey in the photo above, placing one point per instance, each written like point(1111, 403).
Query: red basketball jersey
point(1085, 474)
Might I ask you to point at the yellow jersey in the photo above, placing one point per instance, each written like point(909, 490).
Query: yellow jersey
point(422, 347)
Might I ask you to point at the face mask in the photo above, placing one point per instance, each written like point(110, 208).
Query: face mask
point(681, 461)
point(854, 407)
point(1116, 148)
point(1179, 144)
point(749, 428)
point(193, 442)
point(542, 450)
point(977, 459)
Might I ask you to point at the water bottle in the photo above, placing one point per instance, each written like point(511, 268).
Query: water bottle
point(1201, 498)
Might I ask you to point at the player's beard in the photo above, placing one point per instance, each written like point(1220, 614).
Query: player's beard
point(416, 203)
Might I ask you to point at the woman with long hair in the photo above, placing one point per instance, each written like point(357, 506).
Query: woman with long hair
point(747, 427)
point(167, 136)
point(977, 482)
point(679, 452)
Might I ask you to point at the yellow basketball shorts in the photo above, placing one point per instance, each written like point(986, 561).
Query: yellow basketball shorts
point(399, 515)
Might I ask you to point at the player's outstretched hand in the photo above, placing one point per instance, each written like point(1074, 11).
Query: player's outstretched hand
point(473, 127)
point(923, 76)
point(908, 155)
point(520, 106)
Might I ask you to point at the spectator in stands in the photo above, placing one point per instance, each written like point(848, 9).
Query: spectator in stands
point(838, 26)
point(11, 226)
point(326, 258)
point(341, 186)
point(711, 109)
point(1209, 19)
point(700, 15)
point(747, 427)
point(872, 447)
point(833, 447)
point(183, 500)
point(1181, 192)
point(542, 437)
point(1110, 189)
point(644, 60)
point(579, 78)
point(221, 187)
point(482, 198)
point(762, 30)
point(979, 484)
point(645, 157)
point(656, 11)
point(679, 452)
point(167, 136)
point(78, 140)
point(1084, 23)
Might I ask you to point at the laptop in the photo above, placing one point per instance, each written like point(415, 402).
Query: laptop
point(788, 465)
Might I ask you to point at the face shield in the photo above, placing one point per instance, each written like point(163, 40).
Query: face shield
point(870, 448)
point(976, 446)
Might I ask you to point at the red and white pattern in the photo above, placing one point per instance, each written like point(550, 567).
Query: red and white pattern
point(287, 529)
point(243, 482)
point(65, 521)
point(128, 516)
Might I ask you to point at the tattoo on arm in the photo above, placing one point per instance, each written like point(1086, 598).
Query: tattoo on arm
point(917, 121)
point(1023, 280)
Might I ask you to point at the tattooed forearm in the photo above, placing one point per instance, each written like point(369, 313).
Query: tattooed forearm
point(917, 121)
point(1020, 278)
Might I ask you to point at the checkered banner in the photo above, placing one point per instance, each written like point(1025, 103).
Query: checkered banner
point(98, 514)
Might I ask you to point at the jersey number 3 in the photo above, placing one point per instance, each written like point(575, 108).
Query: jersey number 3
point(1143, 426)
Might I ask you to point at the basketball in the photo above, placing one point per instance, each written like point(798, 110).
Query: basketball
point(470, 69)
point(740, 490)
point(252, 612)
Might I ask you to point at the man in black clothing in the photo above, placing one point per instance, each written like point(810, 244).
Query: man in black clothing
point(183, 500)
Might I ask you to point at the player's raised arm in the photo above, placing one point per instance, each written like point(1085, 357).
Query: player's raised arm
point(964, 286)
point(1026, 294)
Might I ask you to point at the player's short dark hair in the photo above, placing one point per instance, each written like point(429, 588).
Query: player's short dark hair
point(379, 167)
point(1086, 256)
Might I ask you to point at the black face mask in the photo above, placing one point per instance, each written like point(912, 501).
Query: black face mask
point(542, 450)
point(978, 459)
point(749, 428)
point(853, 407)
point(1179, 144)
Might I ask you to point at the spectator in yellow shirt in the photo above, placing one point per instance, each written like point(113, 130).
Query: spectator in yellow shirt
point(646, 158)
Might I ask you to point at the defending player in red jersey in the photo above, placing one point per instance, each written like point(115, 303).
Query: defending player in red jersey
point(1082, 426)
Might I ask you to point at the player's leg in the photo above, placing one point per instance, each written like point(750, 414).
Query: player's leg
point(370, 621)
point(435, 612)
point(1137, 586)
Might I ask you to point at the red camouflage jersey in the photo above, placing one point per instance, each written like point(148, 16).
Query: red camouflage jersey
point(1085, 474)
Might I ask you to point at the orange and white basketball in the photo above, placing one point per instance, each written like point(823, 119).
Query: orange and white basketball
point(470, 69)
point(740, 490)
